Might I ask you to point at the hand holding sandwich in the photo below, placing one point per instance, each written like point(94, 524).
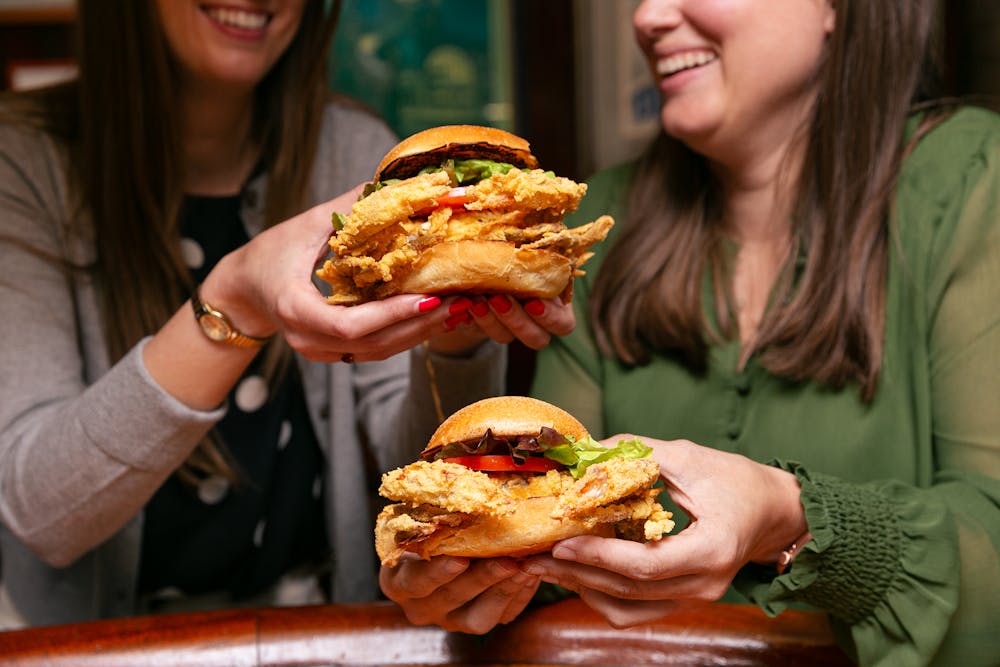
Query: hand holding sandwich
point(471, 595)
point(633, 583)
point(500, 479)
point(626, 581)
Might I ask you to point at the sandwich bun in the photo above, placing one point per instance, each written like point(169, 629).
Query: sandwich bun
point(458, 142)
point(505, 417)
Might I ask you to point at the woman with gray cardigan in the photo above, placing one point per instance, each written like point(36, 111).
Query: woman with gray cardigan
point(181, 423)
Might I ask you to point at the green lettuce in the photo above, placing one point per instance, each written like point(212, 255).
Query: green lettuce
point(578, 455)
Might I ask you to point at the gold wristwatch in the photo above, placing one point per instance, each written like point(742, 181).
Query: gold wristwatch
point(218, 328)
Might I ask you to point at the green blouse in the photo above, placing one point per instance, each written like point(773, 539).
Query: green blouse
point(902, 495)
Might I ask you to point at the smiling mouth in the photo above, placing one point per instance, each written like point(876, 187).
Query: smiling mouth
point(684, 61)
point(240, 19)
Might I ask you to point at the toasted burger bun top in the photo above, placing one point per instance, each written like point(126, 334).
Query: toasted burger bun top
point(506, 416)
point(460, 142)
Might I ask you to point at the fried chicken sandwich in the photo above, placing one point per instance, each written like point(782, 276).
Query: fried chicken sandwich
point(511, 476)
point(460, 209)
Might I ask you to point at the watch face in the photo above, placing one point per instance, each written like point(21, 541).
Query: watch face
point(214, 327)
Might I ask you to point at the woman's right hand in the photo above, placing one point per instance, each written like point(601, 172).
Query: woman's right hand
point(267, 287)
point(459, 594)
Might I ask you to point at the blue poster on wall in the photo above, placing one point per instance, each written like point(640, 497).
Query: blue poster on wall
point(421, 63)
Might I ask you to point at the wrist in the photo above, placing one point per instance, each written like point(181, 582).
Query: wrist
point(226, 292)
point(787, 530)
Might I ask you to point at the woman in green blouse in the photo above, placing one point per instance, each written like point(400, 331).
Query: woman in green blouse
point(804, 282)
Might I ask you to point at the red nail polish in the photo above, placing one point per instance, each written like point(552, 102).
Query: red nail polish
point(500, 303)
point(430, 303)
point(480, 309)
point(460, 305)
point(534, 307)
point(456, 319)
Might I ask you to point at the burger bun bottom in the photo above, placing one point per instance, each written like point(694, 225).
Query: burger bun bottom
point(485, 267)
point(531, 529)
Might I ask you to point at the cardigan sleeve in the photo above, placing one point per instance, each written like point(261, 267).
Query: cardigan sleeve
point(77, 460)
point(911, 576)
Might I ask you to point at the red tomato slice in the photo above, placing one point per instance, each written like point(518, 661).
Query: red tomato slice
point(497, 463)
point(455, 198)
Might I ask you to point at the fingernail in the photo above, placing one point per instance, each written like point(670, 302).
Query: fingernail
point(456, 319)
point(430, 303)
point(459, 305)
point(500, 303)
point(480, 308)
point(534, 307)
point(534, 570)
point(563, 552)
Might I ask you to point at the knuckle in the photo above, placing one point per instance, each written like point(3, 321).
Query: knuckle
point(713, 591)
point(646, 571)
point(629, 589)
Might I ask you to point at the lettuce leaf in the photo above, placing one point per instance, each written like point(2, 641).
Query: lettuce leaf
point(578, 455)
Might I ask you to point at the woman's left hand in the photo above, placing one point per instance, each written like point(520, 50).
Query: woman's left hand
point(740, 511)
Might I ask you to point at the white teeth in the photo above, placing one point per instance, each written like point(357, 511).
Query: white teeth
point(683, 61)
point(238, 18)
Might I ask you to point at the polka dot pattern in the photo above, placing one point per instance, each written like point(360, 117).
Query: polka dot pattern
point(285, 434)
point(192, 253)
point(251, 393)
point(212, 490)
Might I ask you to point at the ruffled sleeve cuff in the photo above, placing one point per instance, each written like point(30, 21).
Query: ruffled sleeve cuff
point(883, 562)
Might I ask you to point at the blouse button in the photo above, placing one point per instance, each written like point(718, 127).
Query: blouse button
point(733, 431)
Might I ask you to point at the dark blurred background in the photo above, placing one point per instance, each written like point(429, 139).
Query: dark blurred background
point(565, 74)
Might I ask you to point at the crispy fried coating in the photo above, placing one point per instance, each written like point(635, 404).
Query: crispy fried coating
point(532, 190)
point(388, 206)
point(455, 488)
point(386, 232)
point(574, 242)
point(607, 482)
point(446, 485)
point(437, 499)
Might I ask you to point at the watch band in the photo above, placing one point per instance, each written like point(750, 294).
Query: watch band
point(217, 327)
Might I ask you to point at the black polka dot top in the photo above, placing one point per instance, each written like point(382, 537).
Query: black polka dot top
point(239, 538)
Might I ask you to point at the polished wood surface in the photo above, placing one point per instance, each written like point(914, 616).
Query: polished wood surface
point(565, 633)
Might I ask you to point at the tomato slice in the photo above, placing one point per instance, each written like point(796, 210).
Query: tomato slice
point(455, 198)
point(498, 463)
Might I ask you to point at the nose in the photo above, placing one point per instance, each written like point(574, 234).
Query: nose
point(654, 17)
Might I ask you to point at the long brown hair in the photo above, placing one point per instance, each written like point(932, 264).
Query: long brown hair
point(116, 121)
point(826, 321)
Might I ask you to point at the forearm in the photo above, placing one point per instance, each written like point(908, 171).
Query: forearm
point(74, 470)
point(195, 370)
